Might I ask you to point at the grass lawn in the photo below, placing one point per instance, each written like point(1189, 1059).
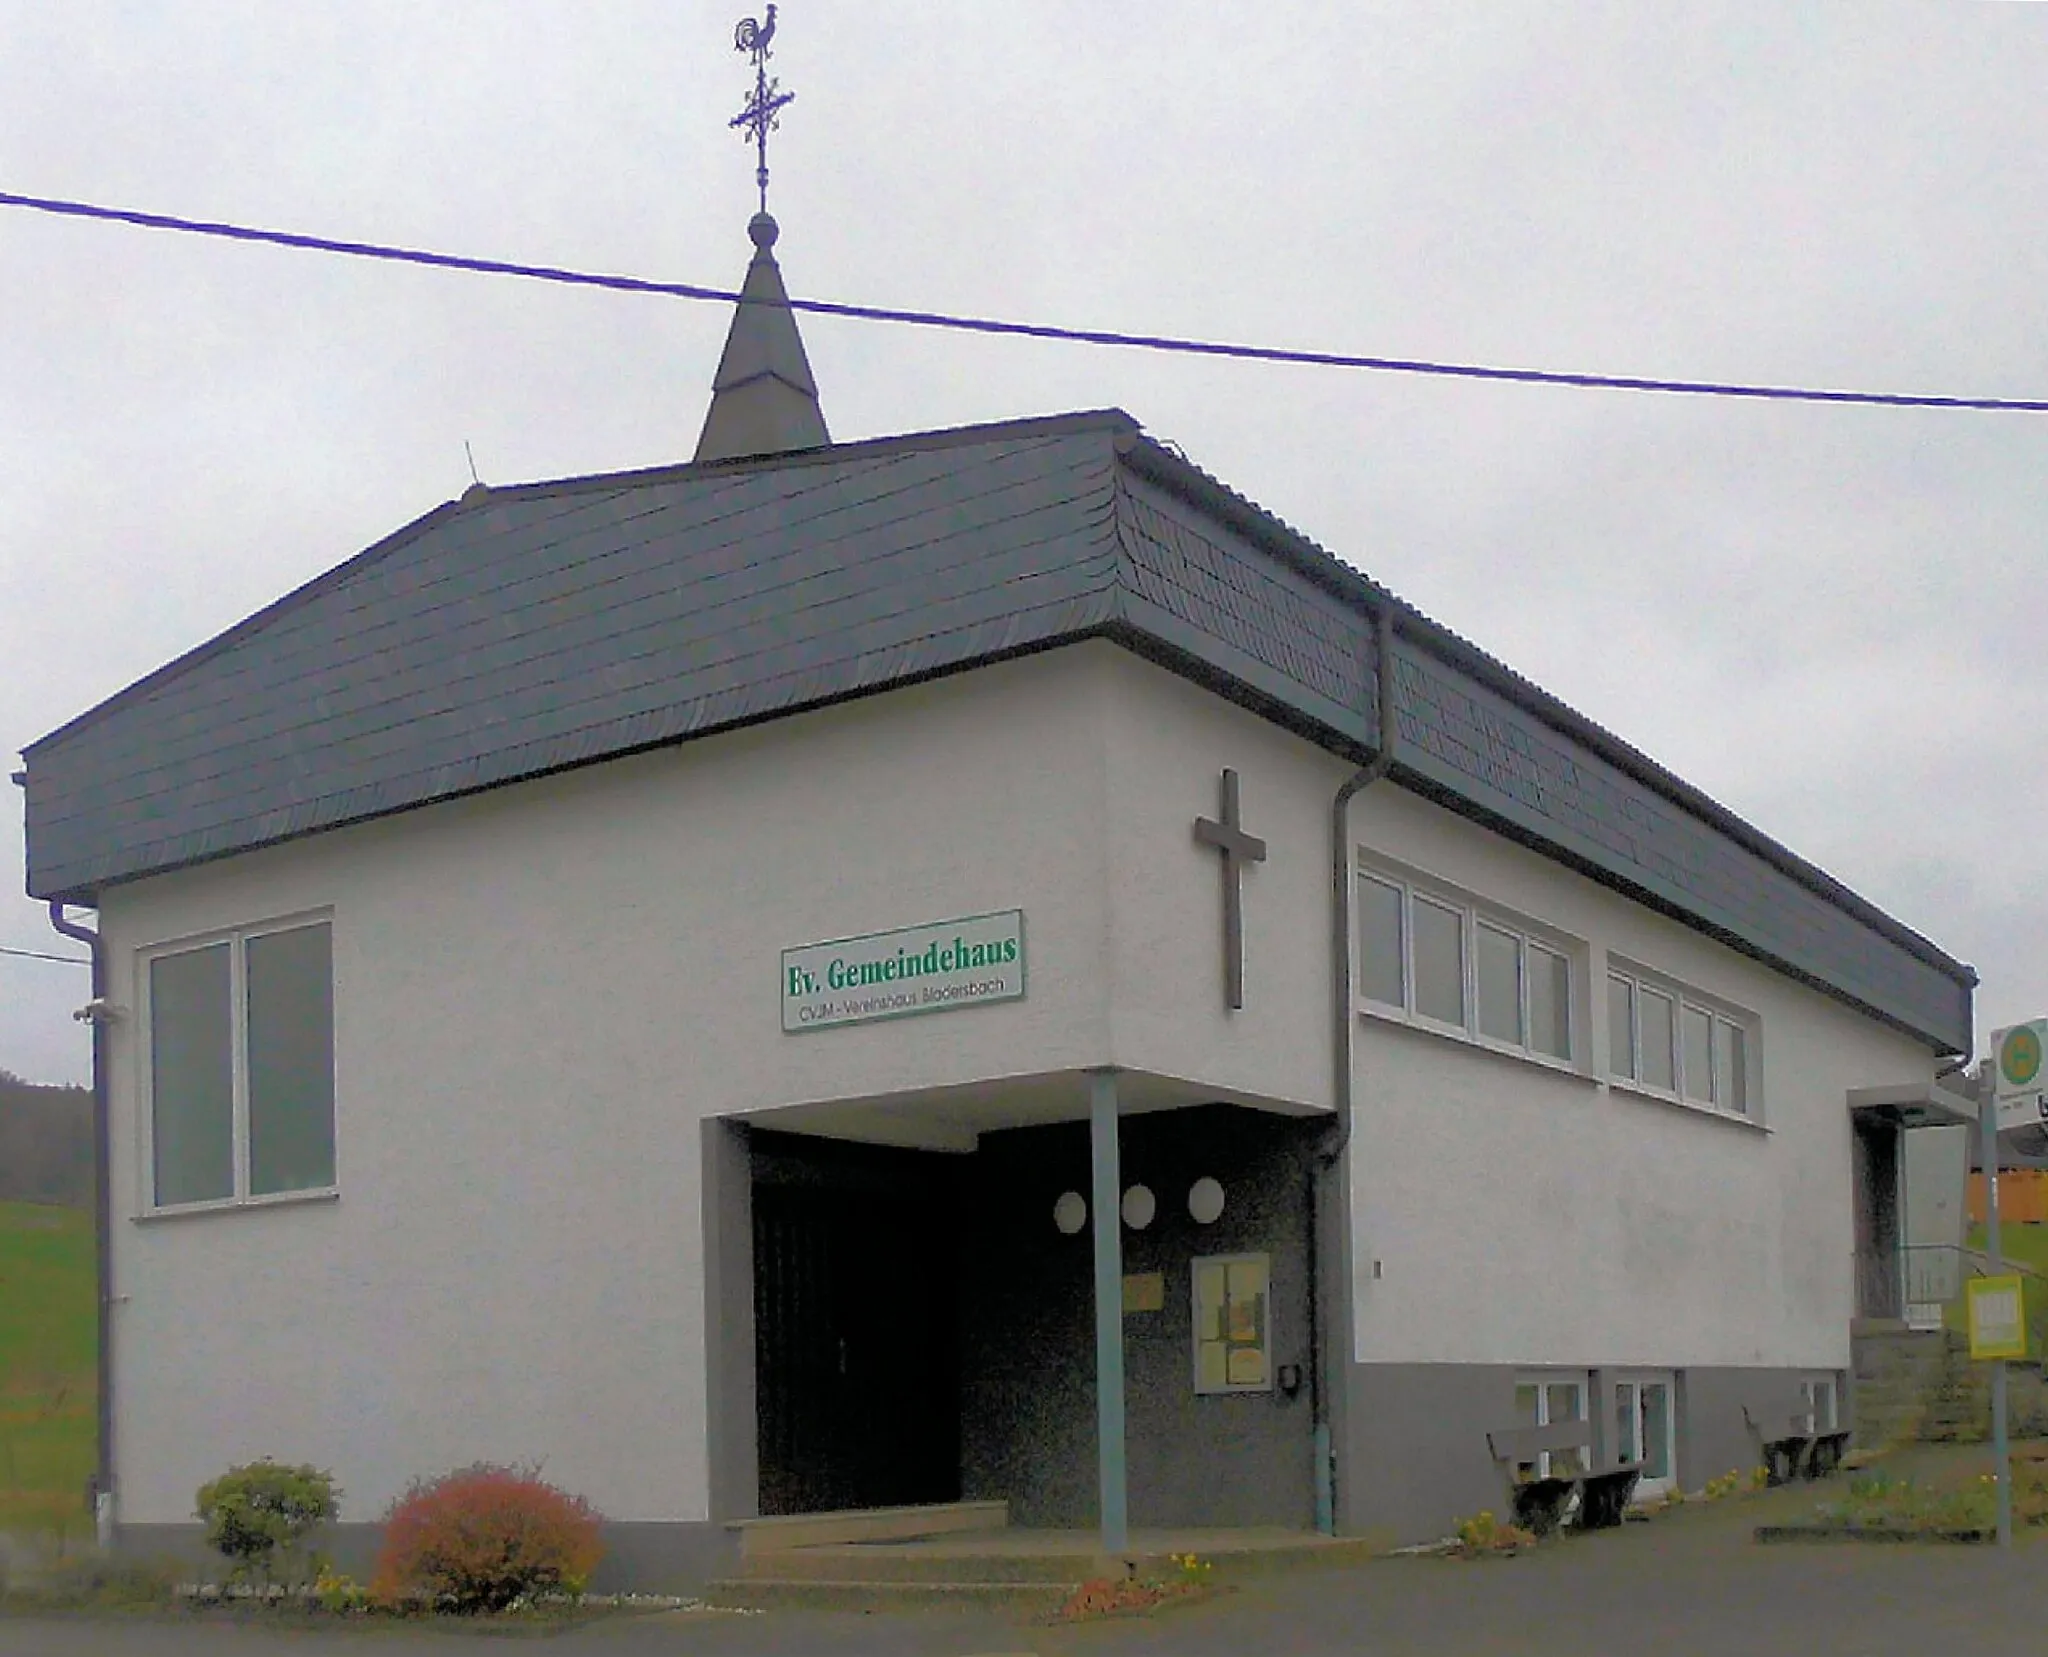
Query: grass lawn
point(2024, 1245)
point(46, 1370)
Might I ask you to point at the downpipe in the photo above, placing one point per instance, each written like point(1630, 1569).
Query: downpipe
point(100, 1492)
point(1342, 1024)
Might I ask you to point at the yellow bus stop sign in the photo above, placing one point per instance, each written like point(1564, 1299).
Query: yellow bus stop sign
point(1997, 1327)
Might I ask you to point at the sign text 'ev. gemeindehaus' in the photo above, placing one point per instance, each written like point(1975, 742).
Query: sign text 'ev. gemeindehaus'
point(920, 969)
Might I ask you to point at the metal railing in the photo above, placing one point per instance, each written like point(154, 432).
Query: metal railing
point(1919, 1284)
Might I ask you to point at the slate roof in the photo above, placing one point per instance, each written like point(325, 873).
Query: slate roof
point(528, 629)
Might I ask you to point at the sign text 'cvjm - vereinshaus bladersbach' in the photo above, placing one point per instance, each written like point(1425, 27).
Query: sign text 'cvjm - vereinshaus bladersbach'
point(920, 969)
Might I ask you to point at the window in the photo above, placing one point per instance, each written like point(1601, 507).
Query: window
point(1654, 1062)
point(1550, 1002)
point(1621, 1027)
point(1544, 1401)
point(1698, 1043)
point(241, 1067)
point(1439, 962)
point(1381, 945)
point(1670, 1041)
point(1499, 960)
point(1453, 964)
point(1731, 1066)
point(1817, 1400)
point(1644, 1431)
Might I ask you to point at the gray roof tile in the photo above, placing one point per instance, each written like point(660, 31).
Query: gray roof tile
point(555, 625)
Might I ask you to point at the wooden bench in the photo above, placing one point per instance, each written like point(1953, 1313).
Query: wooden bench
point(1589, 1498)
point(1787, 1448)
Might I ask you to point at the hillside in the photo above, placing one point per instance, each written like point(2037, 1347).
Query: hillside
point(45, 1143)
point(46, 1371)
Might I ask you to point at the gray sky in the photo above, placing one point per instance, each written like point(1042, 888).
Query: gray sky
point(1827, 618)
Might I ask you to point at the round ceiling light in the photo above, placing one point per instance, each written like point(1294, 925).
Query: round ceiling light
point(1139, 1207)
point(1205, 1201)
point(1070, 1213)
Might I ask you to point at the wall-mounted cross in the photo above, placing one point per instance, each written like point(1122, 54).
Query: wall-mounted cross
point(1238, 849)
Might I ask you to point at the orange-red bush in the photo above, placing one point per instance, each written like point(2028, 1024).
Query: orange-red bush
point(482, 1537)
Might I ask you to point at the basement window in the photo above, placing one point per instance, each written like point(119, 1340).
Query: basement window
point(240, 1067)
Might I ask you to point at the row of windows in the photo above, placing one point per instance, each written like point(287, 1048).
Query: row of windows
point(1665, 1041)
point(1642, 1421)
point(1456, 965)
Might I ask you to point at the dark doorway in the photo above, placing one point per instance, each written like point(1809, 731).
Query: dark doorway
point(856, 1324)
point(1880, 1280)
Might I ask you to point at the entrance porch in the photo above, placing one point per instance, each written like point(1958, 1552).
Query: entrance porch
point(1084, 1297)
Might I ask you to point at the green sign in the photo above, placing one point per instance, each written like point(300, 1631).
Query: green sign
point(935, 968)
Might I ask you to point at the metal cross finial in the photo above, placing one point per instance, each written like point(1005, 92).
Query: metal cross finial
point(762, 114)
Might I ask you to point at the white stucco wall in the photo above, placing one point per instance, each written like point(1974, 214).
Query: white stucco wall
point(1169, 742)
point(539, 992)
point(542, 991)
point(1523, 1216)
point(1518, 1215)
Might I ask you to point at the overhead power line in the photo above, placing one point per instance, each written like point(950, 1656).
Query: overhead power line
point(38, 955)
point(1027, 330)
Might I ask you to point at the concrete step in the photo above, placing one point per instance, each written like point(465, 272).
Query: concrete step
point(1009, 1557)
point(1035, 1599)
point(856, 1562)
point(1884, 1427)
point(777, 1533)
point(1887, 1394)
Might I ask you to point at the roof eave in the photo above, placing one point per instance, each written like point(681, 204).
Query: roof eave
point(1161, 466)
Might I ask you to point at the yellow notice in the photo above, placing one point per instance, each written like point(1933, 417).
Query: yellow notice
point(1145, 1292)
point(1998, 1328)
point(1208, 1301)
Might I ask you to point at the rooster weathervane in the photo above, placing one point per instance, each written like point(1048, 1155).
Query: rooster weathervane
point(763, 112)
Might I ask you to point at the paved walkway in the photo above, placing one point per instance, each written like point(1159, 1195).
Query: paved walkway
point(1690, 1585)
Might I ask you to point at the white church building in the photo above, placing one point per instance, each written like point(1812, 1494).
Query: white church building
point(1328, 1047)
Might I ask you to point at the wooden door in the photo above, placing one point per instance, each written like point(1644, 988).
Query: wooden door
point(856, 1350)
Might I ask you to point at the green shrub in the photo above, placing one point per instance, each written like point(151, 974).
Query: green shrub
point(484, 1538)
point(262, 1509)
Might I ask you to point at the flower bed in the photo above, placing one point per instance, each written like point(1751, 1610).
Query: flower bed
point(1883, 1507)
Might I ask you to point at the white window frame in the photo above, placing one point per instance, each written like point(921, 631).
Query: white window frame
point(1814, 1388)
point(1635, 1380)
point(1684, 999)
point(1473, 913)
point(1543, 1380)
point(237, 939)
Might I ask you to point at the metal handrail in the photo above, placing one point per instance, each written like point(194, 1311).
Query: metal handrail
point(1890, 1283)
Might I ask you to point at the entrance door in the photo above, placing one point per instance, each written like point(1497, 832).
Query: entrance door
point(1645, 1431)
point(856, 1349)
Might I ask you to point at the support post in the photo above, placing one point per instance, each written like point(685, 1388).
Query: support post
point(1106, 1170)
point(2001, 1454)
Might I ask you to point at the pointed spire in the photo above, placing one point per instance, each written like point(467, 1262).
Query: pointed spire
point(763, 400)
